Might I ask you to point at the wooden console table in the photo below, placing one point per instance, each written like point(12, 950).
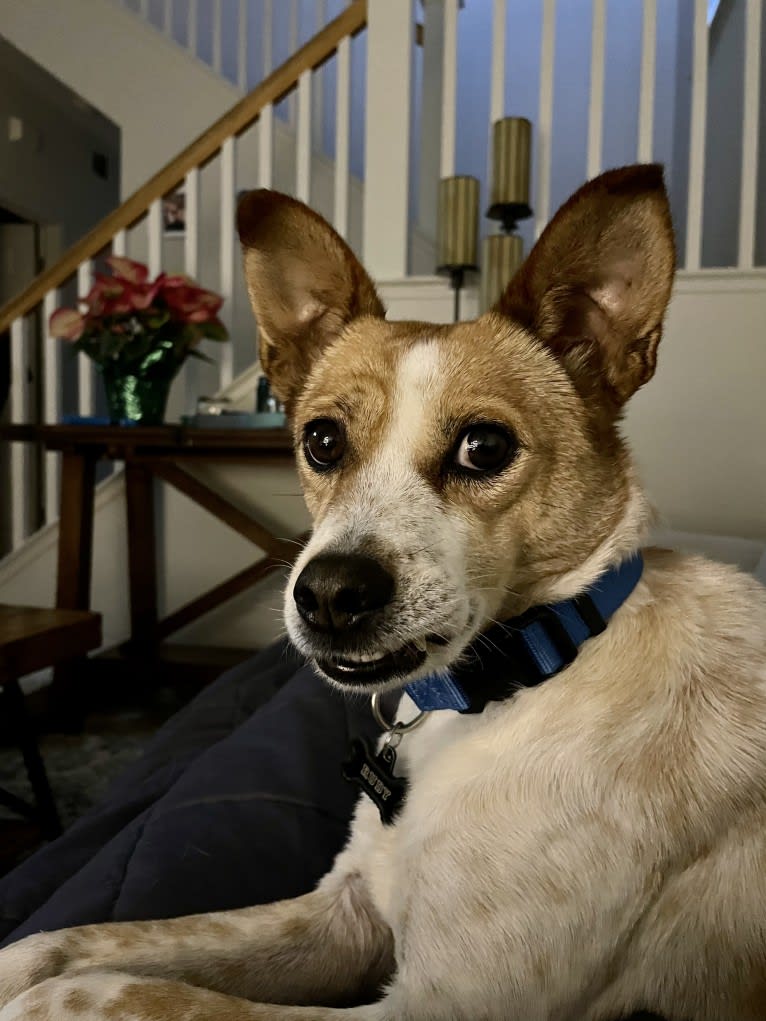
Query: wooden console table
point(153, 452)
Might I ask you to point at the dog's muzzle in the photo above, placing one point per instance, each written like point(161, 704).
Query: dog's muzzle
point(342, 601)
point(339, 593)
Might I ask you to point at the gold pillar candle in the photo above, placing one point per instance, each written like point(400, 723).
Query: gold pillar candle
point(502, 254)
point(458, 233)
point(511, 147)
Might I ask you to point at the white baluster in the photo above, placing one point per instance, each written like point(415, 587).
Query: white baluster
point(266, 119)
point(86, 404)
point(228, 259)
point(303, 154)
point(167, 17)
point(51, 353)
point(387, 148)
point(119, 248)
point(191, 268)
point(242, 47)
point(266, 146)
point(696, 185)
point(342, 125)
point(545, 116)
point(21, 454)
point(155, 237)
point(317, 121)
point(193, 29)
point(144, 8)
point(646, 89)
point(120, 243)
point(292, 45)
point(497, 88)
point(750, 120)
point(596, 106)
point(449, 90)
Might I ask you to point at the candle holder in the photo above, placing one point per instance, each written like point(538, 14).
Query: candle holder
point(503, 253)
point(511, 148)
point(457, 241)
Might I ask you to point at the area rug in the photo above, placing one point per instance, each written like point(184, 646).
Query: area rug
point(80, 766)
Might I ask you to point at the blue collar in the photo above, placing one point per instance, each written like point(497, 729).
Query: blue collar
point(529, 649)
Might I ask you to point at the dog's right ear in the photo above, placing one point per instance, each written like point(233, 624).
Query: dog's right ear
point(304, 282)
point(595, 287)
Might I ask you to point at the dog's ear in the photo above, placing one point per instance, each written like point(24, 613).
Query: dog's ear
point(596, 285)
point(304, 281)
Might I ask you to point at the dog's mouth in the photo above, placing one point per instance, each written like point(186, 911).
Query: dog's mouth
point(378, 667)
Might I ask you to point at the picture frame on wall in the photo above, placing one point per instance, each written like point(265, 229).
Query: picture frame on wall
point(174, 212)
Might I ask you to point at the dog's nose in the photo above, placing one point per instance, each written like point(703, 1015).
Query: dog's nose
point(335, 592)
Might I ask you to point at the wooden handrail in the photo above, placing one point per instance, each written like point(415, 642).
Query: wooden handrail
point(279, 83)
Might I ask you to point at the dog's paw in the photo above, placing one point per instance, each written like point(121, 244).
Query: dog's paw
point(30, 961)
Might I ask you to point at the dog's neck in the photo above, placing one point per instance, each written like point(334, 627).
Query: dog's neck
point(629, 536)
point(527, 650)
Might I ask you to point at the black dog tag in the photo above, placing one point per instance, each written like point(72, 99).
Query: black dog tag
point(375, 775)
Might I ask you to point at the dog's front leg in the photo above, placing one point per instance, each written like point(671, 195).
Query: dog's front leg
point(112, 995)
point(105, 995)
point(327, 947)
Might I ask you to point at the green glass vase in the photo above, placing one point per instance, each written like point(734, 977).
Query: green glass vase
point(137, 392)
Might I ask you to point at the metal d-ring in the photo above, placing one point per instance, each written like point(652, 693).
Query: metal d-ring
point(400, 728)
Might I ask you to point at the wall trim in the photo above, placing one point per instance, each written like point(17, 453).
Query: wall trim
point(716, 280)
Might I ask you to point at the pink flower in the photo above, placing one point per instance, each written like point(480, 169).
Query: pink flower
point(128, 269)
point(143, 295)
point(191, 304)
point(112, 296)
point(67, 324)
point(127, 302)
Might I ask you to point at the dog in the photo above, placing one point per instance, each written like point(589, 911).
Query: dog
point(576, 846)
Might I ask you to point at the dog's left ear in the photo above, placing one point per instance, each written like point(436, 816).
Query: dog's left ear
point(304, 281)
point(596, 285)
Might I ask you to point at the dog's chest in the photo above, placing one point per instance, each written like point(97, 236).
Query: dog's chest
point(443, 761)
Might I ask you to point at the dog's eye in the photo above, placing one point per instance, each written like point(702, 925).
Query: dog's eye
point(323, 443)
point(484, 448)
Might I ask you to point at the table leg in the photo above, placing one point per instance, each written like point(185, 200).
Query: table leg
point(75, 552)
point(75, 565)
point(142, 557)
point(46, 812)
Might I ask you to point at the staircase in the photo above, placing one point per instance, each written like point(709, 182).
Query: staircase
point(361, 120)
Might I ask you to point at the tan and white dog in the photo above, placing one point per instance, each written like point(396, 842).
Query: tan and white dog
point(586, 848)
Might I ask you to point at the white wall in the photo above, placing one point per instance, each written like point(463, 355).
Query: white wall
point(63, 164)
point(158, 96)
point(698, 427)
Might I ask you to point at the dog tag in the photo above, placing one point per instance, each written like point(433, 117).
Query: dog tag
point(375, 775)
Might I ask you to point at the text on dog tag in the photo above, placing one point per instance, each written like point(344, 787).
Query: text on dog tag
point(374, 774)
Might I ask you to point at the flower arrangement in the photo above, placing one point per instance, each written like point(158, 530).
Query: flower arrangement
point(139, 332)
point(127, 316)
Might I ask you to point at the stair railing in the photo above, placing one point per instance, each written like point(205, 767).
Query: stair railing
point(136, 228)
